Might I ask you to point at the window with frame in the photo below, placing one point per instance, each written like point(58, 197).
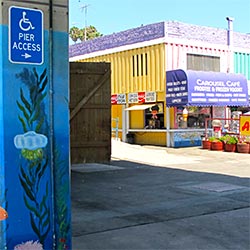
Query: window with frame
point(196, 117)
point(154, 121)
point(140, 64)
point(203, 63)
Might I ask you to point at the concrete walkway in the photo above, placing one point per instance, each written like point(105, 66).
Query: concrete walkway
point(162, 198)
point(189, 158)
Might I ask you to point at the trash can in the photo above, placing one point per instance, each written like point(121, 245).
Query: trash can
point(131, 138)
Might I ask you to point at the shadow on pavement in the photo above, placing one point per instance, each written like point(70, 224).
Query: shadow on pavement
point(128, 205)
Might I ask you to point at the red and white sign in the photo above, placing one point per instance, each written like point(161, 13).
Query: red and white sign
point(150, 96)
point(132, 97)
point(114, 99)
point(141, 97)
point(118, 99)
point(121, 99)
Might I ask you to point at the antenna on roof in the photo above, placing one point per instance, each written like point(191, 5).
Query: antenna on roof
point(82, 8)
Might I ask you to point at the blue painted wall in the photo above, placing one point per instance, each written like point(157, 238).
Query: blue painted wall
point(186, 139)
point(34, 148)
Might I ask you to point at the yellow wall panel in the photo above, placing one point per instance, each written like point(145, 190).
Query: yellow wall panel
point(172, 117)
point(157, 70)
point(134, 74)
point(130, 82)
point(144, 68)
point(161, 96)
point(116, 112)
point(123, 77)
point(115, 69)
point(152, 70)
point(162, 72)
point(135, 70)
point(151, 138)
point(128, 71)
point(136, 118)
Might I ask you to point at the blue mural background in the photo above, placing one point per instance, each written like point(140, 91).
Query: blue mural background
point(2, 172)
point(52, 193)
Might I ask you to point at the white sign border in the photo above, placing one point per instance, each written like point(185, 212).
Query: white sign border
point(9, 35)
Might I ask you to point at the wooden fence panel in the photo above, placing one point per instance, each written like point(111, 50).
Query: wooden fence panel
point(90, 112)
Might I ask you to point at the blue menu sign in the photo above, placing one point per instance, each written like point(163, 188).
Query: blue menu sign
point(25, 35)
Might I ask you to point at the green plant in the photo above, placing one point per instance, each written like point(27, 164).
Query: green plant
point(244, 139)
point(230, 139)
point(214, 139)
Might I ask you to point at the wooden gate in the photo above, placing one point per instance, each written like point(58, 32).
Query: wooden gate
point(90, 112)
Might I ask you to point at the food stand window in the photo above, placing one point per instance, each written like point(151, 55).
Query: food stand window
point(195, 117)
point(154, 117)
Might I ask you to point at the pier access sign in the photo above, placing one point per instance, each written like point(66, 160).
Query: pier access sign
point(26, 35)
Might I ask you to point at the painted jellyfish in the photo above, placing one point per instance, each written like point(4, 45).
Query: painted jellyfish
point(31, 145)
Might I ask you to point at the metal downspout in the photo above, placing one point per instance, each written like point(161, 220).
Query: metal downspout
point(167, 112)
point(168, 127)
point(230, 44)
point(51, 115)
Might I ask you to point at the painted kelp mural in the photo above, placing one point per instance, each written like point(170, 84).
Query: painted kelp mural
point(35, 157)
point(42, 170)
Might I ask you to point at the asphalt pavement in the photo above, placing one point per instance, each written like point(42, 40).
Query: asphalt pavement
point(158, 198)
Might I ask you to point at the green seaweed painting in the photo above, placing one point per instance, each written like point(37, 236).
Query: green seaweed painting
point(63, 213)
point(32, 143)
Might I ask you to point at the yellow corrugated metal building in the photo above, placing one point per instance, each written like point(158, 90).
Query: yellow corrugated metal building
point(137, 70)
point(139, 60)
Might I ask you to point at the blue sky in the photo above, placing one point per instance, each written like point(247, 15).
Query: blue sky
point(109, 16)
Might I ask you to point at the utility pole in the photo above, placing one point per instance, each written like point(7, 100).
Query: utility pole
point(85, 7)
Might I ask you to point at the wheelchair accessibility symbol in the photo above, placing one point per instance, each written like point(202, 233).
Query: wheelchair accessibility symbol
point(25, 23)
